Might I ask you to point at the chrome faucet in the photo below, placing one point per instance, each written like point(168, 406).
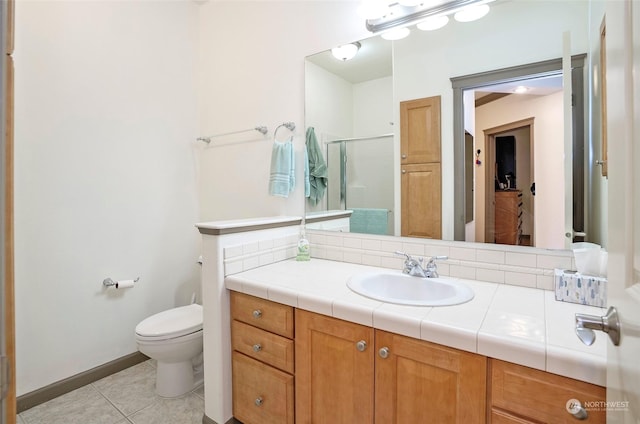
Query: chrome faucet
point(414, 266)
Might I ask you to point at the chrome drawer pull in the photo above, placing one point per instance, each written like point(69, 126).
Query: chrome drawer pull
point(384, 352)
point(258, 401)
point(574, 407)
point(361, 346)
point(257, 347)
point(257, 314)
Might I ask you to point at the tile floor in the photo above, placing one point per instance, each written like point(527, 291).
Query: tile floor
point(127, 397)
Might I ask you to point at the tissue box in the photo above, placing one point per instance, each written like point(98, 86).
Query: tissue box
point(583, 289)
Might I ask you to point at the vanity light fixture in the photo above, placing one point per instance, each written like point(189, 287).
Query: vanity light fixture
point(396, 33)
point(346, 52)
point(410, 3)
point(471, 13)
point(399, 16)
point(433, 22)
point(521, 89)
point(373, 9)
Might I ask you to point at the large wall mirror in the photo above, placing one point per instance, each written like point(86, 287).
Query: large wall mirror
point(494, 142)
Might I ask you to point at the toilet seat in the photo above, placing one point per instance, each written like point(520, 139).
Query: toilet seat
point(170, 324)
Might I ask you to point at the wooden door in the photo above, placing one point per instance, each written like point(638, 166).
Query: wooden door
point(420, 130)
point(7, 320)
point(422, 382)
point(421, 200)
point(334, 378)
point(420, 152)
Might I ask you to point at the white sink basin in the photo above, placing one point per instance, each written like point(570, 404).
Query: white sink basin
point(403, 289)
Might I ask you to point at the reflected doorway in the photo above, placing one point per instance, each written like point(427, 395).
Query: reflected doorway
point(510, 177)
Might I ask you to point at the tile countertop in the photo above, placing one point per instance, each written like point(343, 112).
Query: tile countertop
point(522, 325)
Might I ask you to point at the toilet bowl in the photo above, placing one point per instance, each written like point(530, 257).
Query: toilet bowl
point(174, 339)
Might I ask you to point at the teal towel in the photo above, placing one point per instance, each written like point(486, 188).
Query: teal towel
point(307, 183)
point(282, 175)
point(368, 221)
point(317, 168)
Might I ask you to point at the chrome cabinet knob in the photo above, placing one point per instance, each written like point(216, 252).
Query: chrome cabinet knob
point(384, 352)
point(404, 156)
point(574, 407)
point(404, 171)
point(361, 346)
point(258, 401)
point(257, 314)
point(257, 347)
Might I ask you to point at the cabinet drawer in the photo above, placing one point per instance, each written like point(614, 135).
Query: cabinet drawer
point(541, 396)
point(264, 346)
point(261, 313)
point(261, 394)
point(501, 417)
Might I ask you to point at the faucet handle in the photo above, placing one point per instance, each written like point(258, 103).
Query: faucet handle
point(406, 256)
point(433, 259)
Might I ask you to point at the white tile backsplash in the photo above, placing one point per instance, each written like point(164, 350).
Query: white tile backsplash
point(475, 261)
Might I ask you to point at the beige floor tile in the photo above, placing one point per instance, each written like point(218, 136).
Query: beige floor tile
point(82, 406)
point(184, 410)
point(130, 390)
point(200, 391)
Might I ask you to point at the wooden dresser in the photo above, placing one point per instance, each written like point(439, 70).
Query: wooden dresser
point(508, 216)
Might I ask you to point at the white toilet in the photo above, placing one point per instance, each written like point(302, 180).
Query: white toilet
point(174, 339)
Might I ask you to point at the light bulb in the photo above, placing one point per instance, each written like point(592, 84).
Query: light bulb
point(346, 52)
point(410, 3)
point(395, 34)
point(471, 13)
point(372, 9)
point(433, 23)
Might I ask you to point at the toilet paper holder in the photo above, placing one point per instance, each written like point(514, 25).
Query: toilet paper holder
point(109, 282)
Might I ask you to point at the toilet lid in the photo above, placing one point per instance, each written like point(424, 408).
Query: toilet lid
point(172, 323)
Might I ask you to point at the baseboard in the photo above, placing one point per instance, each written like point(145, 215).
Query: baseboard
point(53, 390)
point(207, 420)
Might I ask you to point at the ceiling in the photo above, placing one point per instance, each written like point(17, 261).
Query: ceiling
point(373, 61)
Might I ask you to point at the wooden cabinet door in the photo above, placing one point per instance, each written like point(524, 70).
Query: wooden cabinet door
point(334, 379)
point(421, 201)
point(422, 382)
point(541, 396)
point(420, 130)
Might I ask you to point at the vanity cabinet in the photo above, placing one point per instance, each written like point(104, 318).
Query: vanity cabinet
point(422, 382)
point(262, 360)
point(349, 373)
point(508, 216)
point(334, 370)
point(524, 395)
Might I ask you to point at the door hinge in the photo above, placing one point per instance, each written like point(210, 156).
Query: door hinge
point(5, 376)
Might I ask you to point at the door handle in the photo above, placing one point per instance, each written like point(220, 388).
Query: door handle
point(609, 323)
point(575, 233)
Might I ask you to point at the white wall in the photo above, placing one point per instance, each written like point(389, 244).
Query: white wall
point(105, 177)
point(258, 77)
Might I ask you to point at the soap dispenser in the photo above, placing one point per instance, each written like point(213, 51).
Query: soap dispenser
point(303, 248)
